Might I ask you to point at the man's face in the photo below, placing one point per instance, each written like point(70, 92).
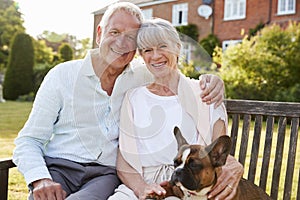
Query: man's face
point(118, 39)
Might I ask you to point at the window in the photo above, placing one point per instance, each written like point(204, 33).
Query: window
point(185, 52)
point(180, 14)
point(147, 13)
point(234, 9)
point(286, 7)
point(227, 43)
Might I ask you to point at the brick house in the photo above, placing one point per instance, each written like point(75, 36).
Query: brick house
point(229, 20)
point(234, 18)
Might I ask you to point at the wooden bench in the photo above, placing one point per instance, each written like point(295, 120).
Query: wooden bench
point(265, 137)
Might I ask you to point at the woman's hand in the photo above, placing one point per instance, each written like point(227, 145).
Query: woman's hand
point(152, 190)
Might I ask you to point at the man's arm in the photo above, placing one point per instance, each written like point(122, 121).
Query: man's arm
point(213, 89)
point(228, 180)
point(28, 154)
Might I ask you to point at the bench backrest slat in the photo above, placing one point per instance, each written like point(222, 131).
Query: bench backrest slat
point(298, 190)
point(234, 132)
point(255, 148)
point(291, 158)
point(267, 152)
point(245, 137)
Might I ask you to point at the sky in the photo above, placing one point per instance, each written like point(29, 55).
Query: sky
point(60, 16)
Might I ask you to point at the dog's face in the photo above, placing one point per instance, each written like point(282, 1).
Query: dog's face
point(195, 165)
point(193, 169)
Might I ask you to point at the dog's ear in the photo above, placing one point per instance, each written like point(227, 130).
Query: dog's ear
point(219, 150)
point(180, 139)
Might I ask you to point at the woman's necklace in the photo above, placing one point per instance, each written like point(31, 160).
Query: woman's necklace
point(160, 90)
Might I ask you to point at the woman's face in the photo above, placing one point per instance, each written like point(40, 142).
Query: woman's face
point(161, 59)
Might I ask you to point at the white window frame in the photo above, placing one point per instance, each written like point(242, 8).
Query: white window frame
point(185, 51)
point(227, 43)
point(235, 9)
point(148, 13)
point(180, 14)
point(285, 7)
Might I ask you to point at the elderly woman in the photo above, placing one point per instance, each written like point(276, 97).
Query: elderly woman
point(150, 113)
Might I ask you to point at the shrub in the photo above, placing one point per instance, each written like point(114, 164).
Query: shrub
point(65, 52)
point(190, 30)
point(264, 67)
point(19, 74)
point(210, 43)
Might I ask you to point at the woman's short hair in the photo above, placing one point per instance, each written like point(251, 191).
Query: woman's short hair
point(157, 31)
point(124, 6)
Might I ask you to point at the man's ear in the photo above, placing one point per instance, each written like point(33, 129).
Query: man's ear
point(180, 139)
point(219, 150)
point(98, 36)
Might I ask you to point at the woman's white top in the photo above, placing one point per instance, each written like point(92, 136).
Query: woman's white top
point(154, 119)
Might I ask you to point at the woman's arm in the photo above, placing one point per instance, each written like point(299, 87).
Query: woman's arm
point(219, 129)
point(132, 179)
point(231, 173)
point(129, 176)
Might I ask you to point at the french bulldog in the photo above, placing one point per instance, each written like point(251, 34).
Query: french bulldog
point(196, 170)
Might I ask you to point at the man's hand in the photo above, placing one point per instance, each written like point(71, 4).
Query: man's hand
point(47, 189)
point(213, 89)
point(228, 180)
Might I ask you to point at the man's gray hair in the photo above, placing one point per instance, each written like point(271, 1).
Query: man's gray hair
point(131, 8)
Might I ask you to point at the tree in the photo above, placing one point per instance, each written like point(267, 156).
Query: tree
point(10, 23)
point(19, 74)
point(43, 53)
point(82, 47)
point(264, 67)
point(210, 43)
point(65, 52)
point(190, 30)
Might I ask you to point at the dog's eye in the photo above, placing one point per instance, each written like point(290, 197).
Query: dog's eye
point(176, 163)
point(195, 165)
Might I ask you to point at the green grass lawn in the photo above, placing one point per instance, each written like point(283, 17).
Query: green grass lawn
point(12, 118)
point(14, 114)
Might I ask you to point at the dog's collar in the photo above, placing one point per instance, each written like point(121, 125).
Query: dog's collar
point(202, 193)
point(191, 193)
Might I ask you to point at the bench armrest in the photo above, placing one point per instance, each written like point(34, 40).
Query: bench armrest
point(5, 165)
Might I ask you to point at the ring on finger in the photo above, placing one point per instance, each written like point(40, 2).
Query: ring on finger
point(230, 187)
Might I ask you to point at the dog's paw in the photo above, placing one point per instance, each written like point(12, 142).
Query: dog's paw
point(154, 197)
point(178, 192)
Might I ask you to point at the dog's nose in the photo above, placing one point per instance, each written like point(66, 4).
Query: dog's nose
point(178, 172)
point(176, 176)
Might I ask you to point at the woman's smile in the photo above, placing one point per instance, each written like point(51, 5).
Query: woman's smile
point(159, 65)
